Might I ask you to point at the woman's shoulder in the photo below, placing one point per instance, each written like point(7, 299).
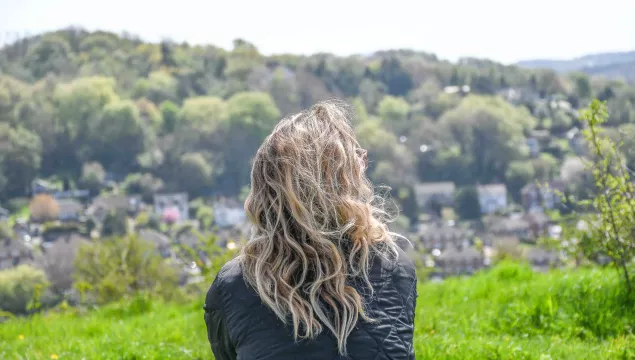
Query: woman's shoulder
point(229, 282)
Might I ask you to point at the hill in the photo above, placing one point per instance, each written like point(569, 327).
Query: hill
point(509, 312)
point(612, 65)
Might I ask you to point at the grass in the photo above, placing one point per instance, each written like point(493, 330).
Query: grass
point(506, 313)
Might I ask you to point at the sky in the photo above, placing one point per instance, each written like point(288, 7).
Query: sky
point(501, 30)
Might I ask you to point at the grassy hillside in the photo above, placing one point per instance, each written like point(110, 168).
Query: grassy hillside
point(507, 313)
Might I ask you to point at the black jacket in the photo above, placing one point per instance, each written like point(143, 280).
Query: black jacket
point(241, 327)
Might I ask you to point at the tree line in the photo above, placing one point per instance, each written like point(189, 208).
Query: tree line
point(79, 107)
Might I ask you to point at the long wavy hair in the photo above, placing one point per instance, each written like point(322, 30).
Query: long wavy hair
point(317, 223)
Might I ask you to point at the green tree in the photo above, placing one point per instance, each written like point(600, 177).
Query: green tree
point(20, 161)
point(170, 113)
point(610, 225)
point(145, 185)
point(122, 266)
point(466, 203)
point(158, 87)
point(19, 287)
point(115, 224)
point(120, 136)
point(195, 173)
point(489, 132)
point(394, 112)
point(518, 174)
point(93, 176)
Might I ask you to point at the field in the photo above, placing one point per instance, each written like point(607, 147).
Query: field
point(508, 312)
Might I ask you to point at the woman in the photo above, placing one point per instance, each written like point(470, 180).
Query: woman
point(321, 276)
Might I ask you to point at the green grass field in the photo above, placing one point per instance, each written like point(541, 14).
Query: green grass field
point(506, 313)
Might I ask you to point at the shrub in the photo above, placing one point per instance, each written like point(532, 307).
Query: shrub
point(20, 287)
point(110, 269)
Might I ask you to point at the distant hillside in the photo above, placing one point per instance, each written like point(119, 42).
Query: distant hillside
point(612, 65)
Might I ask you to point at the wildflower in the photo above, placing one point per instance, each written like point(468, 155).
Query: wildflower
point(21, 337)
point(54, 356)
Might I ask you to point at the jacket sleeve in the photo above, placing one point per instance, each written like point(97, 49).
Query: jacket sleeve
point(217, 332)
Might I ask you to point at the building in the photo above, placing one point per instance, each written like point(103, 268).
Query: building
point(492, 198)
point(13, 253)
point(69, 210)
point(460, 261)
point(226, 215)
point(172, 202)
point(441, 237)
point(514, 225)
point(102, 205)
point(539, 223)
point(441, 193)
point(542, 196)
point(541, 259)
point(39, 186)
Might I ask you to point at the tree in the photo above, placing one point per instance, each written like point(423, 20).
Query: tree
point(490, 133)
point(252, 116)
point(21, 160)
point(518, 174)
point(466, 203)
point(120, 266)
point(19, 287)
point(610, 226)
point(195, 173)
point(43, 208)
point(394, 113)
point(115, 224)
point(93, 176)
point(145, 185)
point(170, 113)
point(158, 87)
point(202, 117)
point(120, 136)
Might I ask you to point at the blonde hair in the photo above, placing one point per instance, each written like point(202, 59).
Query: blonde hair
point(317, 223)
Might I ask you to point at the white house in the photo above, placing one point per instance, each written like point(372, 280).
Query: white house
point(439, 192)
point(226, 216)
point(492, 197)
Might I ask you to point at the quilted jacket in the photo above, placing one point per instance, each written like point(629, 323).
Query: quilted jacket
point(241, 327)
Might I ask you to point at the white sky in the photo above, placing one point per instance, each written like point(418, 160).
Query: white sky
point(503, 30)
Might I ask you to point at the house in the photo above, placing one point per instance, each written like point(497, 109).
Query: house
point(441, 193)
point(492, 198)
point(536, 196)
point(39, 186)
point(102, 205)
point(229, 216)
point(172, 202)
point(453, 89)
point(514, 225)
point(460, 261)
point(442, 236)
point(160, 240)
point(4, 214)
point(539, 223)
point(69, 210)
point(13, 253)
point(541, 259)
point(71, 194)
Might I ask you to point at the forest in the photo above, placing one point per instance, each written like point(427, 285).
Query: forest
point(79, 108)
